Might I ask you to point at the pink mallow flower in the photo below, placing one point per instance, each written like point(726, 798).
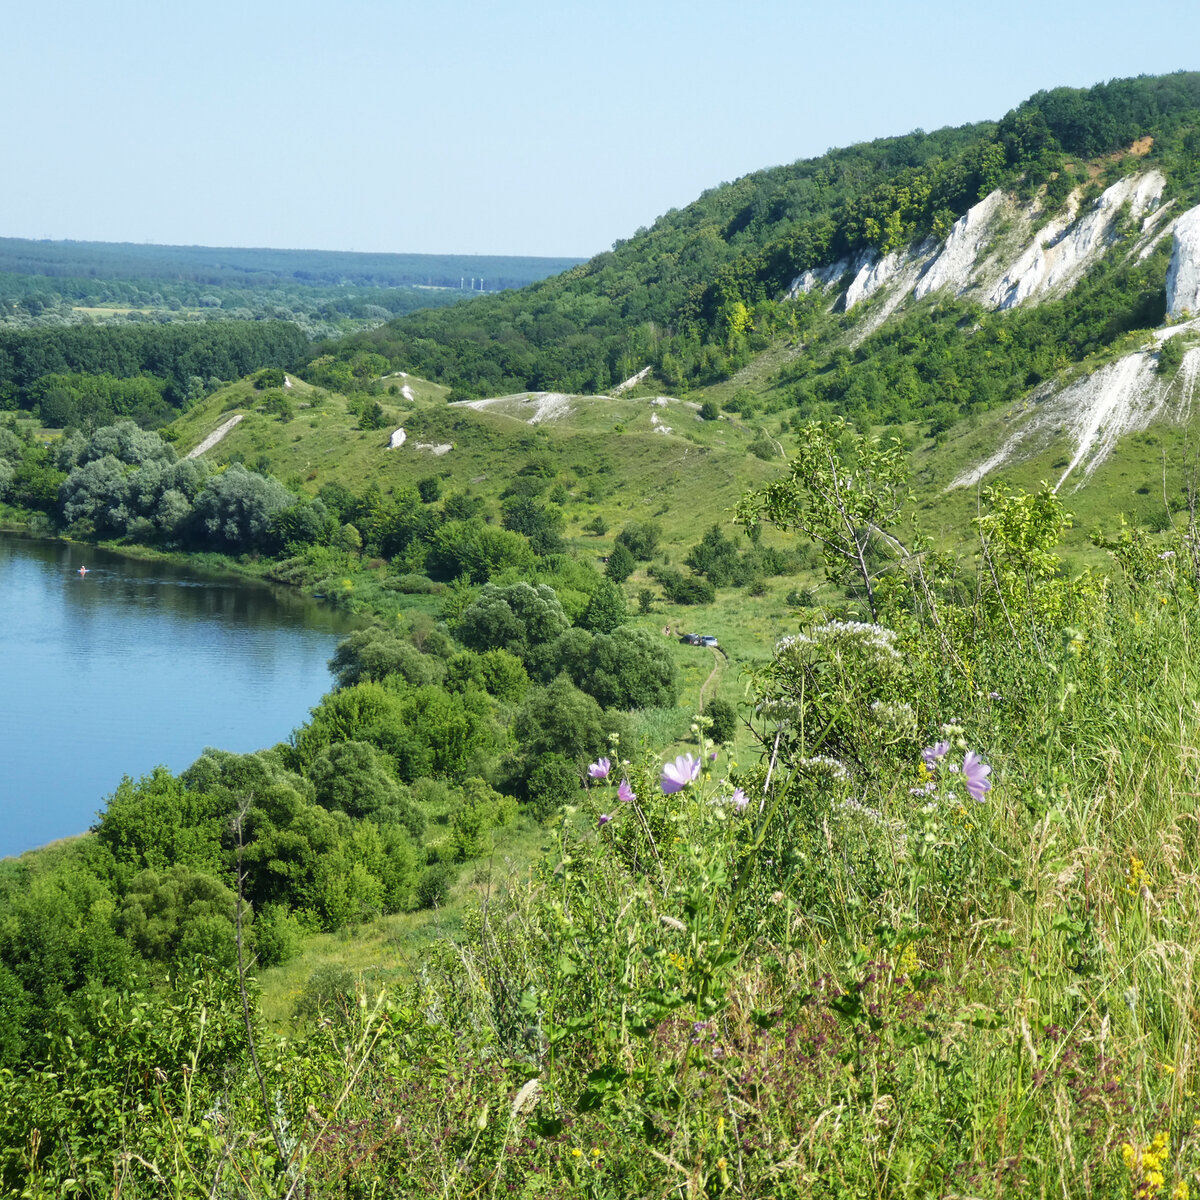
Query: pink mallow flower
point(625, 793)
point(678, 774)
point(600, 769)
point(976, 773)
point(935, 753)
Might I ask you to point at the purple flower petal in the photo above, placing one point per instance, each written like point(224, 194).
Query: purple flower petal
point(739, 800)
point(935, 753)
point(678, 774)
point(600, 769)
point(976, 773)
point(625, 793)
point(604, 820)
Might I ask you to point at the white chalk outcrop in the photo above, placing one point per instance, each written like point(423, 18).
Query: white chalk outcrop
point(870, 274)
point(1183, 276)
point(994, 254)
point(398, 438)
point(955, 264)
point(822, 277)
point(1095, 411)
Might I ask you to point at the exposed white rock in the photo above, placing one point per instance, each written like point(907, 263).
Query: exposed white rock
point(1189, 375)
point(1094, 412)
point(657, 425)
point(398, 438)
point(1117, 399)
point(287, 383)
point(871, 273)
point(822, 277)
point(1183, 276)
point(439, 448)
point(1063, 250)
point(407, 393)
point(632, 381)
point(955, 265)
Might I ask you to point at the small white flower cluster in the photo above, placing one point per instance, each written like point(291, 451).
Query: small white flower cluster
point(874, 636)
point(857, 808)
point(823, 764)
point(779, 708)
point(894, 714)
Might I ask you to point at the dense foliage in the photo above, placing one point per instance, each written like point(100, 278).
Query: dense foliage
point(178, 359)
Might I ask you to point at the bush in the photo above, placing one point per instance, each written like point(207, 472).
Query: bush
point(435, 885)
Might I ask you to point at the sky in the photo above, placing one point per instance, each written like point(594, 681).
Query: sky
point(470, 127)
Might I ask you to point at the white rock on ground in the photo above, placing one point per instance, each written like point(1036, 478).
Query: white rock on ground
point(399, 437)
point(632, 381)
point(1183, 276)
point(1062, 251)
point(407, 393)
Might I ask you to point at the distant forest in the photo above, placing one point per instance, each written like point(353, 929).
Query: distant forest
point(254, 268)
point(327, 293)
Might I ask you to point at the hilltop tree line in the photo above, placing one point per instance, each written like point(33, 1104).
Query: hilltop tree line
point(175, 360)
point(698, 292)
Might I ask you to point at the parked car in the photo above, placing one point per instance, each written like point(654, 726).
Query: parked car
point(707, 639)
point(690, 639)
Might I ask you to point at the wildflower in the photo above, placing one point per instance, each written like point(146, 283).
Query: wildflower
point(935, 753)
point(677, 775)
point(604, 820)
point(976, 773)
point(625, 793)
point(600, 769)
point(739, 799)
point(712, 756)
point(576, 1152)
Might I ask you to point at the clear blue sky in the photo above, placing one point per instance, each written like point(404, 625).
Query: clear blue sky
point(524, 127)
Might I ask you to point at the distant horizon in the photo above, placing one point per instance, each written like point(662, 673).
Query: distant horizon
point(521, 131)
point(80, 241)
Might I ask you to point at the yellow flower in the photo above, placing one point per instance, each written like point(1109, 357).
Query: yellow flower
point(576, 1152)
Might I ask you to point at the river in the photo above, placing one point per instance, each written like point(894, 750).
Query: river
point(136, 664)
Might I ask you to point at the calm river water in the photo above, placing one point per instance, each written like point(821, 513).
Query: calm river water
point(134, 665)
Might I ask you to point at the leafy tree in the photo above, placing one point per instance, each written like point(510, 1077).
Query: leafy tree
point(552, 782)
point(724, 720)
point(621, 564)
point(178, 914)
point(236, 509)
point(355, 778)
point(640, 538)
point(843, 491)
point(376, 653)
point(629, 668)
point(606, 609)
point(516, 618)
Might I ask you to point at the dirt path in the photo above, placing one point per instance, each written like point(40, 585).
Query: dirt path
point(214, 437)
point(720, 658)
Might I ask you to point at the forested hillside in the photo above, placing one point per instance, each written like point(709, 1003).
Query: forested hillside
point(701, 290)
